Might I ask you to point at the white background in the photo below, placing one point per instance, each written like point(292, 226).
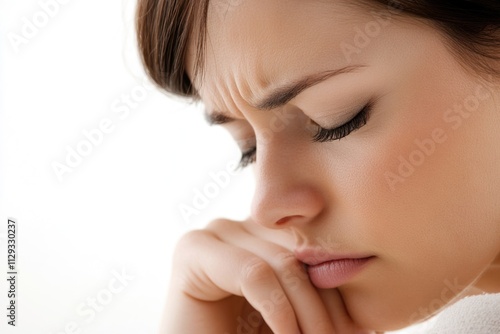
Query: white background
point(119, 208)
point(117, 211)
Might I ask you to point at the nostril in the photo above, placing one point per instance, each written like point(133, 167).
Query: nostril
point(284, 220)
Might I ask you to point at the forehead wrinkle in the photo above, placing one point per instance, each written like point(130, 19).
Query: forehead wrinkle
point(237, 90)
point(227, 96)
point(254, 58)
point(232, 72)
point(212, 94)
point(250, 79)
point(231, 92)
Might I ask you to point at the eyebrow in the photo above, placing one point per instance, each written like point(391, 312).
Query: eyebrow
point(282, 95)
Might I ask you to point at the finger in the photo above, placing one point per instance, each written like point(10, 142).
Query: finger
point(286, 238)
point(310, 311)
point(225, 269)
point(335, 305)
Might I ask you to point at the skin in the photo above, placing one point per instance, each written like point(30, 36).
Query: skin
point(435, 231)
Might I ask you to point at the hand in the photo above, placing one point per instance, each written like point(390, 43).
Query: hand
point(239, 277)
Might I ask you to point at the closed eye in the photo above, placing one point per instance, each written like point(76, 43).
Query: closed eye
point(248, 157)
point(326, 135)
point(322, 135)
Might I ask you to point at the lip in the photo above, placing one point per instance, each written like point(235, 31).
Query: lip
point(328, 271)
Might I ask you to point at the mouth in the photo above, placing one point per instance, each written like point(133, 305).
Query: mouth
point(328, 271)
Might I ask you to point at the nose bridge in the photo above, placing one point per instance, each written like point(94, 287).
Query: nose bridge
point(278, 143)
point(286, 189)
point(275, 120)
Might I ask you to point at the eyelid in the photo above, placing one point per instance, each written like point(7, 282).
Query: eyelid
point(246, 144)
point(339, 117)
point(355, 122)
point(370, 104)
point(336, 133)
point(248, 148)
point(247, 158)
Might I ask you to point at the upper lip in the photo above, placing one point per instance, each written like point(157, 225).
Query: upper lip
point(315, 256)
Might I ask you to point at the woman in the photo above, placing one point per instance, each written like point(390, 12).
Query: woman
point(373, 129)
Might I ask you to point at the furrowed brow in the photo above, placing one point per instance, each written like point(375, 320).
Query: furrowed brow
point(282, 95)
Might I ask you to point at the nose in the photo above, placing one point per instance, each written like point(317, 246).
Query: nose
point(288, 191)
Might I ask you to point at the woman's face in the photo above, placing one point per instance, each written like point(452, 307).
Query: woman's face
point(418, 186)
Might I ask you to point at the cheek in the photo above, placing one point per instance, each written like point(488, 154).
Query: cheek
point(425, 199)
point(433, 184)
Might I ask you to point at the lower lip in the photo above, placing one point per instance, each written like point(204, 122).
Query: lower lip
point(331, 274)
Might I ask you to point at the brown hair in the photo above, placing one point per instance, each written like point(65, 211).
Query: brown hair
point(164, 28)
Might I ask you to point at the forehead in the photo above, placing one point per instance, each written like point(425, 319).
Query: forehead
point(254, 45)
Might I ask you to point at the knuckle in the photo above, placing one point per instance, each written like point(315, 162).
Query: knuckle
point(287, 261)
point(280, 313)
point(255, 270)
point(289, 265)
point(189, 242)
point(219, 224)
point(191, 238)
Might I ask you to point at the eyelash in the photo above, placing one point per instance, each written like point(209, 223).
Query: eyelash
point(247, 158)
point(360, 119)
point(322, 135)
